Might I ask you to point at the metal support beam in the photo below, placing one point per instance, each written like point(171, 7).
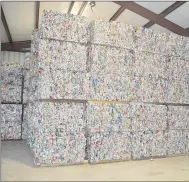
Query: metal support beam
point(70, 7)
point(166, 12)
point(136, 8)
point(37, 14)
point(117, 14)
point(5, 25)
point(82, 8)
point(15, 46)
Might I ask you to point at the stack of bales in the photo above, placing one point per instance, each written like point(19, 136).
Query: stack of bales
point(57, 89)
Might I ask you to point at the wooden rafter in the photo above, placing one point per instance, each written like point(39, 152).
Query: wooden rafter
point(136, 8)
point(37, 14)
point(5, 25)
point(15, 45)
point(166, 12)
point(117, 14)
point(82, 8)
point(70, 7)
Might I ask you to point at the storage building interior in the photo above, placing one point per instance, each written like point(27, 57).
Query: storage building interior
point(103, 83)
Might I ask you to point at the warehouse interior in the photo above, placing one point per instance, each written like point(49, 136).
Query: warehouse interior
point(95, 91)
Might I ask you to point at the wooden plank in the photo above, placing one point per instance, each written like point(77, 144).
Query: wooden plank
point(5, 25)
point(166, 12)
point(117, 14)
point(136, 8)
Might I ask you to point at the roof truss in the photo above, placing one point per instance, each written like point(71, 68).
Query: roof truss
point(158, 19)
point(5, 25)
point(166, 12)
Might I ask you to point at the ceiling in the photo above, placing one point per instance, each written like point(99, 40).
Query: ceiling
point(21, 16)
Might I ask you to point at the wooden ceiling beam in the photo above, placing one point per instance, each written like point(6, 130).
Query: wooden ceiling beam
point(15, 45)
point(37, 14)
point(117, 14)
point(166, 12)
point(82, 8)
point(70, 7)
point(136, 8)
point(5, 25)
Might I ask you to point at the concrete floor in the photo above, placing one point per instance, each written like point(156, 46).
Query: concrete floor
point(17, 165)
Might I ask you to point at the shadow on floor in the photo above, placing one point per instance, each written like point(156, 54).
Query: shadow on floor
point(21, 152)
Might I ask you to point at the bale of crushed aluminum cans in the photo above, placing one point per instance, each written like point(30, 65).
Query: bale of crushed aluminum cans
point(55, 116)
point(178, 68)
point(186, 134)
point(178, 117)
point(113, 87)
point(148, 117)
point(56, 132)
point(62, 55)
point(25, 123)
point(11, 121)
point(148, 40)
point(109, 146)
point(66, 149)
point(177, 91)
point(57, 84)
point(176, 142)
point(146, 144)
point(110, 60)
point(34, 41)
point(177, 45)
point(108, 87)
point(150, 64)
point(11, 81)
point(108, 117)
point(112, 33)
point(64, 27)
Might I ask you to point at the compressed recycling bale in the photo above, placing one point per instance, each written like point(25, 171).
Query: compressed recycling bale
point(146, 89)
point(186, 134)
point(127, 88)
point(177, 45)
point(178, 117)
point(176, 143)
point(57, 84)
point(111, 60)
point(11, 121)
point(65, 27)
point(108, 117)
point(11, 85)
point(148, 117)
point(147, 144)
point(109, 146)
point(68, 149)
point(57, 116)
point(61, 55)
point(107, 87)
point(150, 64)
point(25, 123)
point(178, 67)
point(34, 41)
point(148, 40)
point(186, 93)
point(159, 89)
point(177, 91)
point(112, 33)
